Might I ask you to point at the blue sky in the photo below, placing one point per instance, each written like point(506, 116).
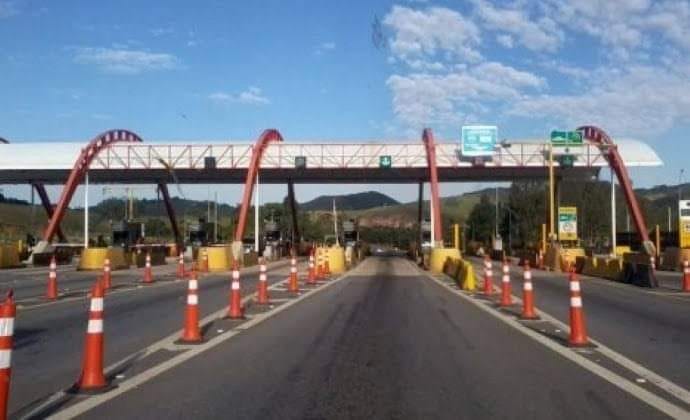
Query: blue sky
point(227, 70)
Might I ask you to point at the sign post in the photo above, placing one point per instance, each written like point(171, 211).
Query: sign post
point(567, 223)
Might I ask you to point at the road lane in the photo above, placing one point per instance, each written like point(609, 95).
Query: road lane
point(49, 339)
point(385, 343)
point(645, 325)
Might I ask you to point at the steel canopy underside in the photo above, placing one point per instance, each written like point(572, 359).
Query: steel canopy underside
point(303, 176)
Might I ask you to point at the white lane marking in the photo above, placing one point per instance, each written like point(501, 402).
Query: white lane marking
point(626, 385)
point(666, 384)
point(151, 373)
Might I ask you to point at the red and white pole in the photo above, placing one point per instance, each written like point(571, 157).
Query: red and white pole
point(52, 289)
point(235, 311)
point(506, 296)
point(8, 312)
point(528, 311)
point(92, 377)
point(262, 293)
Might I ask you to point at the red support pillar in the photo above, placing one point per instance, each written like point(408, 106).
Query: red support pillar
point(428, 139)
point(48, 206)
point(262, 142)
point(81, 166)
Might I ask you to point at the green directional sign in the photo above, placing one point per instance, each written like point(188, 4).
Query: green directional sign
point(566, 138)
point(385, 161)
point(300, 162)
point(566, 161)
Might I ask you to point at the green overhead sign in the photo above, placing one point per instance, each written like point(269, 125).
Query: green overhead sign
point(385, 161)
point(566, 138)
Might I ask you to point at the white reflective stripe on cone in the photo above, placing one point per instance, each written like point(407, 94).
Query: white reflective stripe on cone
point(506, 269)
point(505, 279)
point(192, 300)
point(574, 286)
point(235, 275)
point(576, 302)
point(293, 269)
point(527, 286)
point(6, 327)
point(262, 277)
point(489, 273)
point(528, 275)
point(686, 270)
point(52, 275)
point(96, 304)
point(5, 359)
point(235, 285)
point(193, 284)
point(95, 326)
point(293, 261)
point(262, 267)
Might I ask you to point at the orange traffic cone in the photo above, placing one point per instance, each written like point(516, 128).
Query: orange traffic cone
point(293, 285)
point(311, 275)
point(527, 295)
point(578, 332)
point(191, 333)
point(326, 265)
point(235, 311)
point(204, 261)
point(686, 277)
point(92, 378)
point(488, 274)
point(262, 293)
point(506, 297)
point(148, 275)
point(52, 289)
point(180, 266)
point(107, 279)
point(8, 311)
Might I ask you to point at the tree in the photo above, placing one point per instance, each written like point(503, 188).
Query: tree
point(481, 220)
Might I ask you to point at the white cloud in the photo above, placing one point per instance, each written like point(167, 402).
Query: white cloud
point(252, 96)
point(324, 47)
point(157, 32)
point(7, 9)
point(641, 100)
point(505, 40)
point(421, 34)
point(125, 61)
point(426, 99)
point(537, 35)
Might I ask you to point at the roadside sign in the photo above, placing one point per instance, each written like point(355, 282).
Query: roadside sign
point(567, 223)
point(385, 161)
point(684, 219)
point(566, 138)
point(478, 140)
point(300, 162)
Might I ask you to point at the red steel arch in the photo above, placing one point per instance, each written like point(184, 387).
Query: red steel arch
point(268, 136)
point(430, 146)
point(81, 166)
point(599, 136)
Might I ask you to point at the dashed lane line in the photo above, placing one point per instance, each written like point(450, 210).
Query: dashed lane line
point(618, 381)
point(138, 380)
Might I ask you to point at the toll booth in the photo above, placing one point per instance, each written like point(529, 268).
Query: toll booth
point(273, 239)
point(126, 234)
point(350, 233)
point(684, 220)
point(197, 233)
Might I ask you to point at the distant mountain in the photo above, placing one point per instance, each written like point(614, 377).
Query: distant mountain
point(358, 201)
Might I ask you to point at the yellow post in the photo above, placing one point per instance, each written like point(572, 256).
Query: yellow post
point(551, 195)
point(543, 237)
point(658, 240)
point(456, 236)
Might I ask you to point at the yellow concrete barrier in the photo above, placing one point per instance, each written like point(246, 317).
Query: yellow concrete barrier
point(568, 257)
point(94, 258)
point(467, 278)
point(9, 257)
point(438, 258)
point(219, 257)
point(336, 259)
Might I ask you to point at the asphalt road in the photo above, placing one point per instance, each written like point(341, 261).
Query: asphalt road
point(649, 326)
point(49, 337)
point(384, 342)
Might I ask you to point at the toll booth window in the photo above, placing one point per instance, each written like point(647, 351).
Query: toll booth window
point(685, 212)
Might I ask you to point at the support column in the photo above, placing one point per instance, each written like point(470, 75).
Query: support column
point(257, 203)
point(292, 205)
point(613, 214)
point(48, 206)
point(163, 188)
point(86, 210)
point(420, 213)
